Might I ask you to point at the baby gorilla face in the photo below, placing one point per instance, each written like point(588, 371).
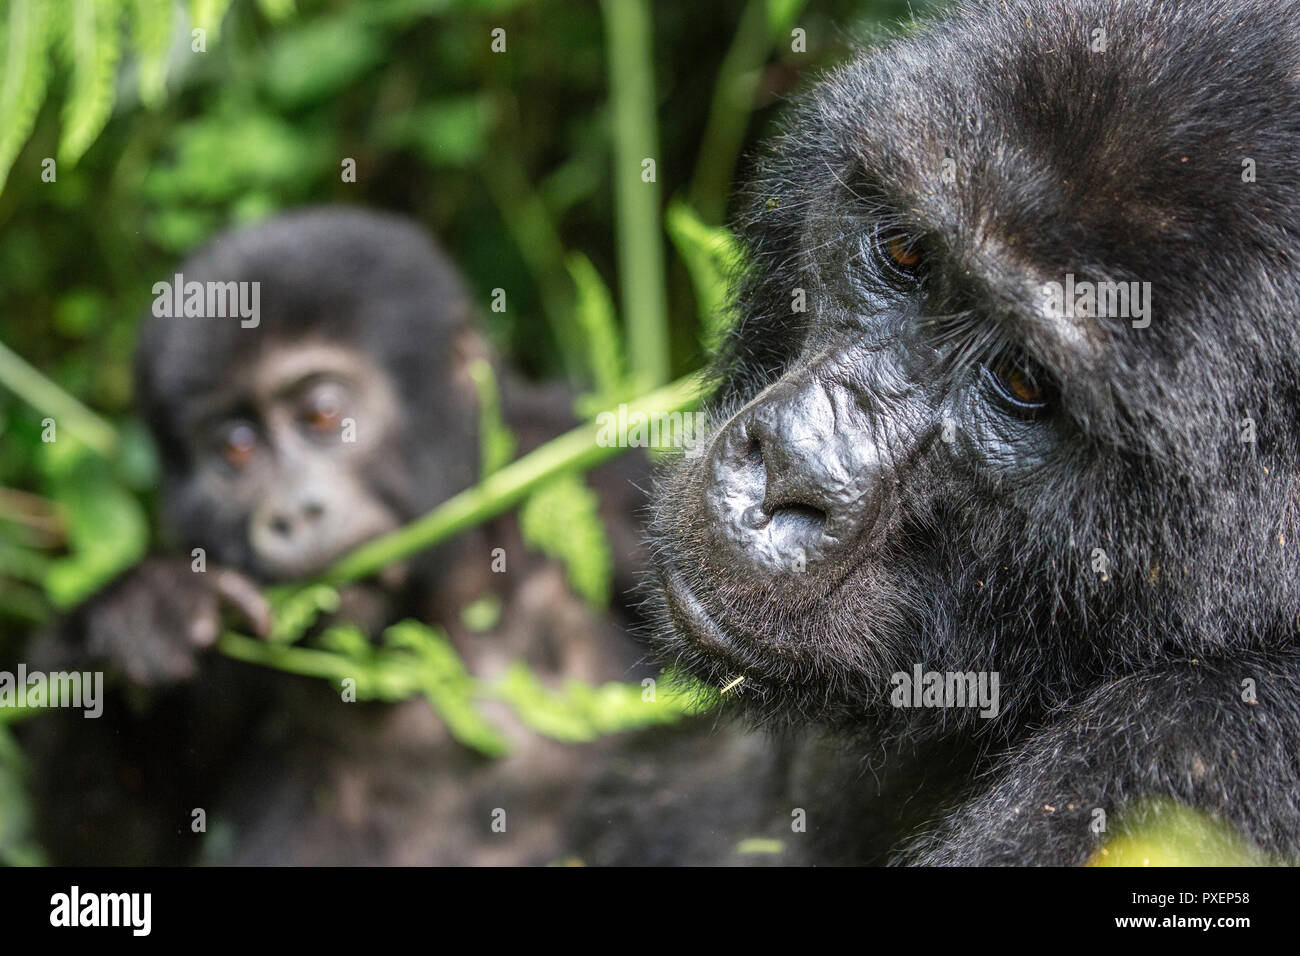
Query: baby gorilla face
point(344, 411)
point(280, 461)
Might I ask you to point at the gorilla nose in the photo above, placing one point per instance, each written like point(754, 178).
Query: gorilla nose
point(792, 520)
point(793, 482)
point(291, 520)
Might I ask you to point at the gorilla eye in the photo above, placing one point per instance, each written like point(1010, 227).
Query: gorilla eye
point(1019, 383)
point(324, 409)
point(238, 443)
point(898, 257)
point(903, 255)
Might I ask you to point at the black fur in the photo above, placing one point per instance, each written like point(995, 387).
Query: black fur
point(978, 553)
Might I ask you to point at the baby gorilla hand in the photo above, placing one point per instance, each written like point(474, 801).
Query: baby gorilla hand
point(153, 622)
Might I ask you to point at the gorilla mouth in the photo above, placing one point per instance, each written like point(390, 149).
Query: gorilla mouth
point(691, 620)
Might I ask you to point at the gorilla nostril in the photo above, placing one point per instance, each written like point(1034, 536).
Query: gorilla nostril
point(313, 510)
point(754, 518)
point(280, 525)
point(801, 520)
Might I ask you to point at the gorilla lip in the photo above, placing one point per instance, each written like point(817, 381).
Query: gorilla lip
point(690, 617)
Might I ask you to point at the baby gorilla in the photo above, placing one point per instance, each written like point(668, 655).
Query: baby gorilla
point(342, 410)
point(1007, 447)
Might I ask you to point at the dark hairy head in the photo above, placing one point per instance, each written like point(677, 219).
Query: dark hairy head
point(920, 457)
point(341, 410)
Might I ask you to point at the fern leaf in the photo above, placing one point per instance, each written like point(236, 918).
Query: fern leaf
point(24, 39)
point(711, 254)
point(562, 520)
point(92, 47)
point(151, 30)
point(276, 10)
point(595, 316)
point(495, 438)
point(208, 14)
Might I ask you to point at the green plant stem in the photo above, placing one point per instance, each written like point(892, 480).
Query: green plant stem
point(296, 660)
point(49, 399)
point(576, 450)
point(640, 244)
point(733, 102)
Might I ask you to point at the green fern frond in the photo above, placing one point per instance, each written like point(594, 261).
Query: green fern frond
point(495, 438)
point(595, 316)
point(208, 15)
point(562, 520)
point(711, 254)
point(151, 30)
point(92, 47)
point(277, 10)
point(24, 38)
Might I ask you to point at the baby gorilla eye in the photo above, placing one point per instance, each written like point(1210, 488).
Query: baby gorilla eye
point(238, 443)
point(323, 408)
point(1020, 384)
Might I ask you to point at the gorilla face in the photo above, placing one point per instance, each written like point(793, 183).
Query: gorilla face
point(344, 412)
point(1009, 307)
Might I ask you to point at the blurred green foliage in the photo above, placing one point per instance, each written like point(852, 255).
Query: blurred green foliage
point(157, 143)
point(1164, 833)
point(127, 139)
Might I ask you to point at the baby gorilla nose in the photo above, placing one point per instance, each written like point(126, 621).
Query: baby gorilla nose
point(791, 483)
point(295, 519)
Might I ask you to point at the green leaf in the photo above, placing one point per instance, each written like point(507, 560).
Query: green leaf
point(581, 712)
point(478, 616)
point(151, 32)
point(92, 46)
point(136, 464)
point(106, 526)
point(24, 39)
point(320, 60)
point(496, 442)
point(277, 10)
point(208, 14)
point(451, 132)
point(594, 313)
point(711, 254)
point(17, 847)
point(224, 156)
point(294, 609)
point(562, 520)
point(781, 15)
point(347, 639)
point(1164, 833)
point(448, 686)
point(21, 563)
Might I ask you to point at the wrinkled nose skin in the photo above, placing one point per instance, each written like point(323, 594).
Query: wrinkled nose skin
point(794, 480)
